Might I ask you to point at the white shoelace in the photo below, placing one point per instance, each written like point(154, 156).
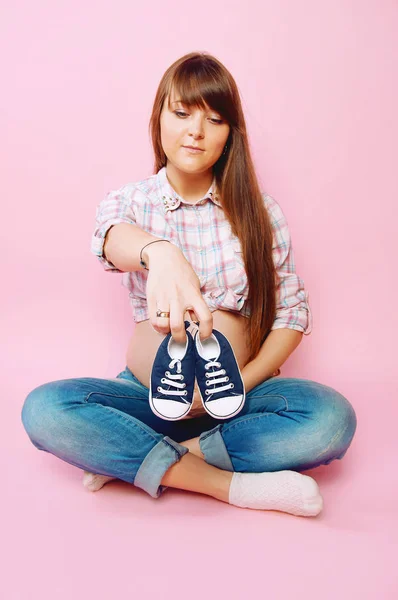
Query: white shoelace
point(211, 381)
point(169, 380)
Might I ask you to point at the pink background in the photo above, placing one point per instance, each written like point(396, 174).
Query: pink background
point(319, 88)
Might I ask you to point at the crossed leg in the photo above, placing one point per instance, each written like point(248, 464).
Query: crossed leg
point(190, 473)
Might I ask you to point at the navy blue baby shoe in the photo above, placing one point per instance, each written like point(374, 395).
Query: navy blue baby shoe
point(172, 380)
point(218, 375)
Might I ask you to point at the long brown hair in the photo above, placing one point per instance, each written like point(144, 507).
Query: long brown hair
point(200, 78)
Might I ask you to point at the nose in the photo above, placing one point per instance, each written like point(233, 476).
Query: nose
point(196, 126)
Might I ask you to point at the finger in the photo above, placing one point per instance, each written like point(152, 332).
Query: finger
point(161, 324)
point(177, 325)
point(152, 313)
point(192, 315)
point(205, 319)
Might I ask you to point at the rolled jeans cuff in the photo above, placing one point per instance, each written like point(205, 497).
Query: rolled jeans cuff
point(156, 463)
point(214, 449)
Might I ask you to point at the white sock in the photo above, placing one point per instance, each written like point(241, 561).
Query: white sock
point(287, 491)
point(94, 482)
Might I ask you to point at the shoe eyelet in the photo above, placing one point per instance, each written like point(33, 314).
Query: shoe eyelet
point(207, 374)
point(159, 389)
point(208, 382)
point(184, 385)
point(207, 392)
point(224, 371)
point(163, 380)
point(185, 393)
point(227, 379)
point(231, 385)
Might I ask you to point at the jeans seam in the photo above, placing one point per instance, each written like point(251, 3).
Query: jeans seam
point(270, 396)
point(250, 418)
point(111, 396)
point(240, 421)
point(132, 420)
point(334, 438)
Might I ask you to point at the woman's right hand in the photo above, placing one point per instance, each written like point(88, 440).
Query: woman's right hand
point(173, 286)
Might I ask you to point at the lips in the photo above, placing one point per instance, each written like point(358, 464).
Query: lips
point(194, 148)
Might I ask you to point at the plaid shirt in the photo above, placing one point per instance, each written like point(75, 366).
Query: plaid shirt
point(204, 236)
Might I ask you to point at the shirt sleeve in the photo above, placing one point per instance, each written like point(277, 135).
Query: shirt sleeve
point(292, 300)
point(116, 207)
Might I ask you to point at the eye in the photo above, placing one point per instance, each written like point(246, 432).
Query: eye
point(183, 114)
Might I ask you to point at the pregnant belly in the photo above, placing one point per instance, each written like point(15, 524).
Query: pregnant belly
point(145, 342)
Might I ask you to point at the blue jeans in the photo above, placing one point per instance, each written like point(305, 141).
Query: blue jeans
point(106, 426)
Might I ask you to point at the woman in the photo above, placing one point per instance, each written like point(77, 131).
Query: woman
point(223, 258)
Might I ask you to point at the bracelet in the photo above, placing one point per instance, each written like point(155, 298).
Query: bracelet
point(142, 263)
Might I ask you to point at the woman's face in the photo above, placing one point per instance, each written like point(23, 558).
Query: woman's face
point(188, 126)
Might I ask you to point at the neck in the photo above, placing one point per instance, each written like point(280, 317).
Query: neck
point(190, 186)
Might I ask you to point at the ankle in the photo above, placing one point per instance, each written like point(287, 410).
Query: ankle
point(222, 485)
point(194, 447)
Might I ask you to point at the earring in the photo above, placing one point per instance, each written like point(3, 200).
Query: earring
point(225, 149)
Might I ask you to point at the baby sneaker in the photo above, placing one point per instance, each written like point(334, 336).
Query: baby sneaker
point(218, 375)
point(172, 379)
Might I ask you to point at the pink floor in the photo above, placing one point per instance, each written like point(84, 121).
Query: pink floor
point(60, 541)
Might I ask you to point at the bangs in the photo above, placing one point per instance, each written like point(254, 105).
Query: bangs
point(200, 85)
